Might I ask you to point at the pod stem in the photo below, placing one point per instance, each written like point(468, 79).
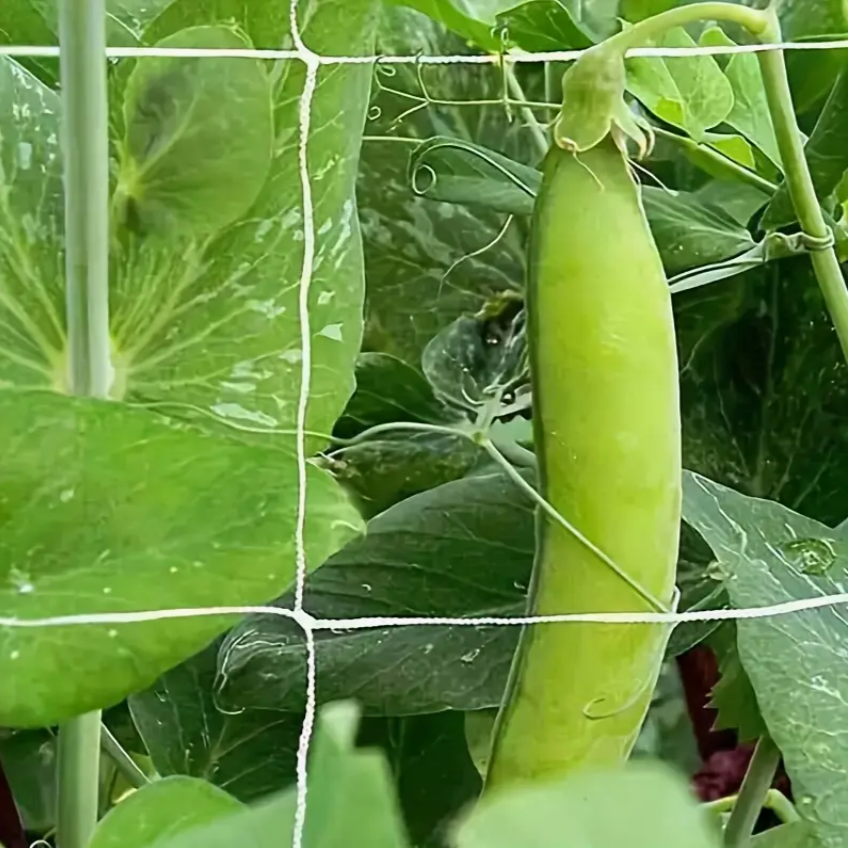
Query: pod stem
point(755, 21)
point(752, 795)
point(799, 182)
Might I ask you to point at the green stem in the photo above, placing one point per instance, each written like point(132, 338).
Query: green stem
point(752, 795)
point(799, 182)
point(733, 169)
point(527, 113)
point(125, 764)
point(78, 776)
point(775, 801)
point(754, 20)
point(82, 37)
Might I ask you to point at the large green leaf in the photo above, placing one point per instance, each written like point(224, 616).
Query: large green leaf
point(198, 137)
point(108, 509)
point(464, 549)
point(549, 25)
point(690, 92)
point(795, 661)
point(640, 806)
point(250, 754)
point(430, 257)
point(228, 340)
point(162, 809)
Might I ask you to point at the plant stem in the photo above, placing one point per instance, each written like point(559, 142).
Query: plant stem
point(800, 183)
point(775, 801)
point(753, 793)
point(125, 764)
point(754, 20)
point(82, 38)
point(733, 169)
point(85, 146)
point(527, 113)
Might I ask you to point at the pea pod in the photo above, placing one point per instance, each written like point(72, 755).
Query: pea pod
point(607, 433)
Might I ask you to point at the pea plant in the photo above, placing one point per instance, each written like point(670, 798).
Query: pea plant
point(417, 351)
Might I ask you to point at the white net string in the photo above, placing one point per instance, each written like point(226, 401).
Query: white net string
point(312, 63)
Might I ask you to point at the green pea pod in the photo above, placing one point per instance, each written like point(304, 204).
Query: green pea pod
point(607, 432)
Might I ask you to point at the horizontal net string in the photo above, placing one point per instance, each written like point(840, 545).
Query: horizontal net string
point(36, 51)
point(309, 622)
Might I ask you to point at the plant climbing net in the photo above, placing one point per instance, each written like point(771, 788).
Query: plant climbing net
point(313, 62)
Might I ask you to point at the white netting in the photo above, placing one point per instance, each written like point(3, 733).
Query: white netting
point(308, 623)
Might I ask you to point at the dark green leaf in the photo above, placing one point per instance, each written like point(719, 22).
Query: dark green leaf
point(106, 509)
point(250, 754)
point(383, 471)
point(163, 809)
point(23, 23)
point(826, 152)
point(640, 806)
point(434, 775)
point(733, 696)
point(795, 661)
point(811, 73)
point(388, 390)
point(29, 762)
point(464, 549)
point(763, 389)
point(472, 358)
point(199, 137)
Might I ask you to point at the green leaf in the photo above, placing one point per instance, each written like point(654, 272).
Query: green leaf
point(216, 325)
point(388, 390)
point(762, 389)
point(23, 23)
point(472, 357)
point(826, 152)
point(199, 137)
point(811, 73)
point(794, 661)
point(750, 114)
point(163, 809)
point(250, 754)
point(793, 835)
point(434, 775)
point(439, 260)
point(652, 806)
point(733, 696)
point(32, 308)
point(106, 509)
point(472, 20)
point(383, 471)
point(549, 25)
point(29, 763)
point(688, 92)
point(637, 10)
point(465, 548)
point(350, 800)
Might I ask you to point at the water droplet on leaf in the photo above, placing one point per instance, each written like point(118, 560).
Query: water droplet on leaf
point(811, 556)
